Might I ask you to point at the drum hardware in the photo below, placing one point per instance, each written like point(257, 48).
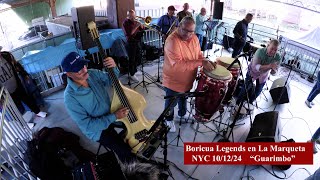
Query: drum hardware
point(216, 84)
point(181, 95)
point(213, 81)
point(237, 115)
point(218, 131)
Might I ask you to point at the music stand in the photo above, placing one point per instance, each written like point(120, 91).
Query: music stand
point(146, 75)
point(210, 26)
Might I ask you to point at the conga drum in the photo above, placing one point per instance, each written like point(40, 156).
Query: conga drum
point(215, 86)
point(235, 71)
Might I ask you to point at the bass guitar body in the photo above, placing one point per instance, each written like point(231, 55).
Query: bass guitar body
point(136, 130)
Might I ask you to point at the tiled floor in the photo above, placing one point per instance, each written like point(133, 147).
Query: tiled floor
point(297, 120)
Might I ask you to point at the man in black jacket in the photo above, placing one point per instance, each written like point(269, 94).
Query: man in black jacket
point(240, 32)
point(9, 78)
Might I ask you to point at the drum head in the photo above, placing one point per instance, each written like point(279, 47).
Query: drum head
point(226, 61)
point(219, 72)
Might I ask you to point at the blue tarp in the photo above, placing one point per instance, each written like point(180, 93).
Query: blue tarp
point(50, 57)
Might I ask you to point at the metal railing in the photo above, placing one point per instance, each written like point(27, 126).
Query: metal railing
point(154, 13)
point(14, 134)
point(40, 44)
point(303, 58)
point(51, 80)
point(152, 38)
point(259, 33)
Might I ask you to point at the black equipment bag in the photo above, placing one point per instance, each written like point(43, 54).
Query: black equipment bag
point(152, 52)
point(106, 166)
point(53, 152)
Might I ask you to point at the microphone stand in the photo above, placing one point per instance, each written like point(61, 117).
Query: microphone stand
point(233, 124)
point(175, 97)
point(283, 89)
point(160, 122)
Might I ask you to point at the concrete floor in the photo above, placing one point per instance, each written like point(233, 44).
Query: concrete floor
point(298, 122)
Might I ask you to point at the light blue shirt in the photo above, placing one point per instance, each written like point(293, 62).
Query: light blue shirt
point(90, 106)
point(200, 24)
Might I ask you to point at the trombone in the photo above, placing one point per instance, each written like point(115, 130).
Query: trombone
point(146, 22)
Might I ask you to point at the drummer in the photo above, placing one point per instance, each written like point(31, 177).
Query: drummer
point(182, 56)
point(265, 60)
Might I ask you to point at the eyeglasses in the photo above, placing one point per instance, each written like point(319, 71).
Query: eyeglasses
point(186, 31)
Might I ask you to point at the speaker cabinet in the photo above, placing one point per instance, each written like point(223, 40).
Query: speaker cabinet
point(227, 41)
point(265, 128)
point(278, 88)
point(80, 17)
point(218, 10)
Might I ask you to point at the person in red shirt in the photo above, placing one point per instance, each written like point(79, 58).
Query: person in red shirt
point(133, 31)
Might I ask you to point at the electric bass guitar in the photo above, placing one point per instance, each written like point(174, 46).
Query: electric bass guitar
point(137, 125)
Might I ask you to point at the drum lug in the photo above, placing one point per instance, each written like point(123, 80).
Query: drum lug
point(221, 92)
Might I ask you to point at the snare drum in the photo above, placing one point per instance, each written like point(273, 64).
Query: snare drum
point(215, 85)
point(235, 71)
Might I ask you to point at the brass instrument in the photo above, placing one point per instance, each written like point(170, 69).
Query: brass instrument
point(146, 22)
point(171, 29)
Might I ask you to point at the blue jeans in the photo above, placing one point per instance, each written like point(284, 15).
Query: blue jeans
point(315, 175)
point(253, 94)
point(182, 104)
point(237, 47)
point(315, 90)
point(316, 135)
point(200, 37)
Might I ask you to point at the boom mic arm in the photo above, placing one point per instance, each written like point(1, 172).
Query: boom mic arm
point(237, 60)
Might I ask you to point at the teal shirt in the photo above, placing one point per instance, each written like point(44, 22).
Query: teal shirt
point(261, 58)
point(199, 24)
point(90, 106)
point(265, 59)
